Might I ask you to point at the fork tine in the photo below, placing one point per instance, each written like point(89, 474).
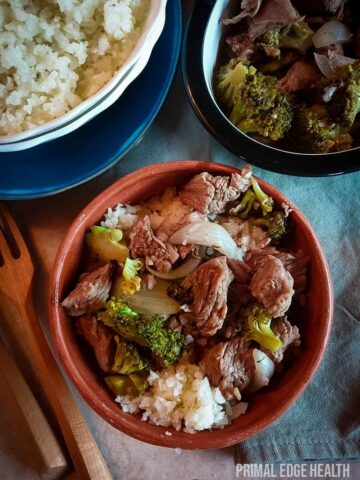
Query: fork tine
point(5, 252)
point(10, 224)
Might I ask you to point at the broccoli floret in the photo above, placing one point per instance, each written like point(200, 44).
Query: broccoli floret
point(260, 106)
point(314, 132)
point(269, 42)
point(256, 325)
point(245, 206)
point(130, 282)
point(127, 358)
point(275, 224)
point(253, 198)
point(266, 202)
point(107, 244)
point(344, 105)
point(230, 77)
point(132, 384)
point(142, 330)
point(296, 36)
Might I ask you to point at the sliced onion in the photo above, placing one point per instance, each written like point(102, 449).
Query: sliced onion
point(185, 269)
point(329, 65)
point(151, 302)
point(264, 370)
point(331, 33)
point(208, 234)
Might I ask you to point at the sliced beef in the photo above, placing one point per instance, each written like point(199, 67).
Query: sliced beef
point(210, 283)
point(230, 366)
point(296, 264)
point(208, 194)
point(241, 46)
point(100, 337)
point(240, 270)
point(273, 13)
point(90, 293)
point(299, 76)
point(144, 243)
point(272, 285)
point(289, 336)
point(249, 8)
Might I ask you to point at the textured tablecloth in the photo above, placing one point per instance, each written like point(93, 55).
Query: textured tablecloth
point(324, 423)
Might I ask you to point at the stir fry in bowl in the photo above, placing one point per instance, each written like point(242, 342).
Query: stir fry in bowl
point(290, 73)
point(189, 300)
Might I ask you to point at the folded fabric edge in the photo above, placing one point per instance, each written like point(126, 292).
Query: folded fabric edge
point(298, 451)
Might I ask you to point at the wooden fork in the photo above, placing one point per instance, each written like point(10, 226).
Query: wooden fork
point(16, 276)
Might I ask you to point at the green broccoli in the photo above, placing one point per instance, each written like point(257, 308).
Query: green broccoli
point(142, 330)
point(127, 358)
point(296, 36)
point(107, 244)
point(252, 201)
point(256, 325)
point(344, 105)
point(245, 206)
point(260, 106)
point(131, 385)
point(314, 132)
point(266, 202)
point(230, 77)
point(275, 224)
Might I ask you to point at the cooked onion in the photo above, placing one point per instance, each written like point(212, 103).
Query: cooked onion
point(208, 234)
point(151, 302)
point(331, 33)
point(329, 66)
point(187, 267)
point(264, 369)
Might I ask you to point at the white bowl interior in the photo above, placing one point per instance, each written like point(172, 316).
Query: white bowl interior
point(212, 40)
point(154, 22)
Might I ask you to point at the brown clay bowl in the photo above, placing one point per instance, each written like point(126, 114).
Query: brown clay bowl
point(265, 406)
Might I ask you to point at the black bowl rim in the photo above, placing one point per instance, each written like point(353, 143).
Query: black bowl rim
point(246, 148)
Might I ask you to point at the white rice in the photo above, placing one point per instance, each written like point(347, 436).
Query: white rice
point(180, 396)
point(56, 53)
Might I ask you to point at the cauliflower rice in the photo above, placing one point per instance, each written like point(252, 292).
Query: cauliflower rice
point(181, 397)
point(54, 54)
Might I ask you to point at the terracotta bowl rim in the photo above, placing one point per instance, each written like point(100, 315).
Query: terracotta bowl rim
point(125, 422)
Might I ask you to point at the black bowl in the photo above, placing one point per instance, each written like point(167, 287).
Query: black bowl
point(211, 116)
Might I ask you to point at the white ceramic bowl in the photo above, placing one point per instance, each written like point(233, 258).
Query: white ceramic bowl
point(112, 90)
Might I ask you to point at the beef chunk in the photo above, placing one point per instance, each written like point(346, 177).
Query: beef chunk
point(230, 366)
point(90, 293)
point(100, 337)
point(295, 263)
point(273, 13)
point(209, 194)
point(241, 46)
point(272, 285)
point(144, 243)
point(210, 283)
point(299, 76)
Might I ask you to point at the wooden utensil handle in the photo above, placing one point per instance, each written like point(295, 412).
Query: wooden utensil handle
point(22, 405)
point(84, 452)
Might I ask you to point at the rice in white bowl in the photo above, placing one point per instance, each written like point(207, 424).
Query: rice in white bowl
point(56, 53)
point(180, 396)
